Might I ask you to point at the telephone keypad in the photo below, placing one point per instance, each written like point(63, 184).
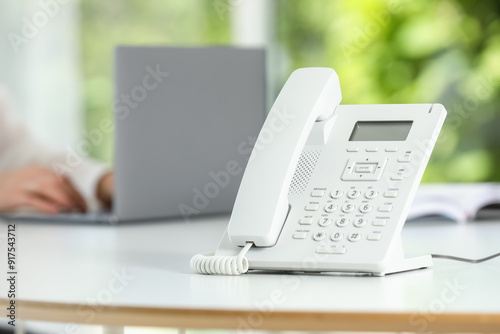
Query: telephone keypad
point(353, 237)
point(341, 222)
point(349, 217)
point(324, 222)
point(337, 236)
point(365, 208)
point(330, 207)
point(358, 209)
point(318, 236)
point(348, 207)
point(353, 194)
point(360, 222)
point(336, 194)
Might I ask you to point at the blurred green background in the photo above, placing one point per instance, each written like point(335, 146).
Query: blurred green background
point(383, 51)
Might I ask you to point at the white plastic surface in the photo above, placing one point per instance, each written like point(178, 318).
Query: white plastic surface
point(261, 206)
point(147, 265)
point(329, 174)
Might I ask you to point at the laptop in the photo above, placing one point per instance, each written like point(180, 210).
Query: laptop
point(186, 120)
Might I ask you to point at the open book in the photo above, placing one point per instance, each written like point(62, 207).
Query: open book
point(460, 202)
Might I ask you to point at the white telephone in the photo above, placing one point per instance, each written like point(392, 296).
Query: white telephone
point(329, 186)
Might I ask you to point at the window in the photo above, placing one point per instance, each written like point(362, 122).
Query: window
point(400, 51)
point(106, 24)
point(385, 51)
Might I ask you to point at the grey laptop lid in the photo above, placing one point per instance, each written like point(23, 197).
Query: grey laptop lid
point(186, 121)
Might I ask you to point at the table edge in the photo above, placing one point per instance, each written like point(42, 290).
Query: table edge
point(85, 314)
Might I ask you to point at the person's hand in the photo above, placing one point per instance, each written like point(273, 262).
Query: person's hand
point(105, 189)
point(39, 189)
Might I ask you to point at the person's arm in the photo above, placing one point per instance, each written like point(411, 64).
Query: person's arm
point(105, 188)
point(28, 162)
point(92, 179)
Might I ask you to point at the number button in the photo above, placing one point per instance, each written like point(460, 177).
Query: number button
point(348, 207)
point(330, 207)
point(324, 222)
point(360, 222)
point(370, 194)
point(366, 208)
point(353, 194)
point(341, 222)
point(337, 236)
point(318, 236)
point(336, 194)
point(353, 237)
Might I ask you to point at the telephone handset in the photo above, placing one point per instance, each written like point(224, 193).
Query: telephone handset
point(309, 95)
point(329, 187)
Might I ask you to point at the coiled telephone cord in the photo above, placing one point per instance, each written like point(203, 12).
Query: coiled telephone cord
point(209, 264)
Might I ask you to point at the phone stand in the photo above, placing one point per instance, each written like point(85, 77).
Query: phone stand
point(399, 263)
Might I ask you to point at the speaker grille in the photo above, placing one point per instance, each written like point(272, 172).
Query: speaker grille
point(303, 172)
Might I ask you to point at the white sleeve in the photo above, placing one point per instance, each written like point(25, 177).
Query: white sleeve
point(19, 148)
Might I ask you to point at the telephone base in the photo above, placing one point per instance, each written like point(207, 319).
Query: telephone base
point(407, 264)
point(273, 259)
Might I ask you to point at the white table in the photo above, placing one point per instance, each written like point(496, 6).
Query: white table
point(139, 275)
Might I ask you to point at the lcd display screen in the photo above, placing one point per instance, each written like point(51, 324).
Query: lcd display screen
point(381, 131)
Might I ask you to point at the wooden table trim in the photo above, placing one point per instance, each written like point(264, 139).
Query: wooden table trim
point(255, 320)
